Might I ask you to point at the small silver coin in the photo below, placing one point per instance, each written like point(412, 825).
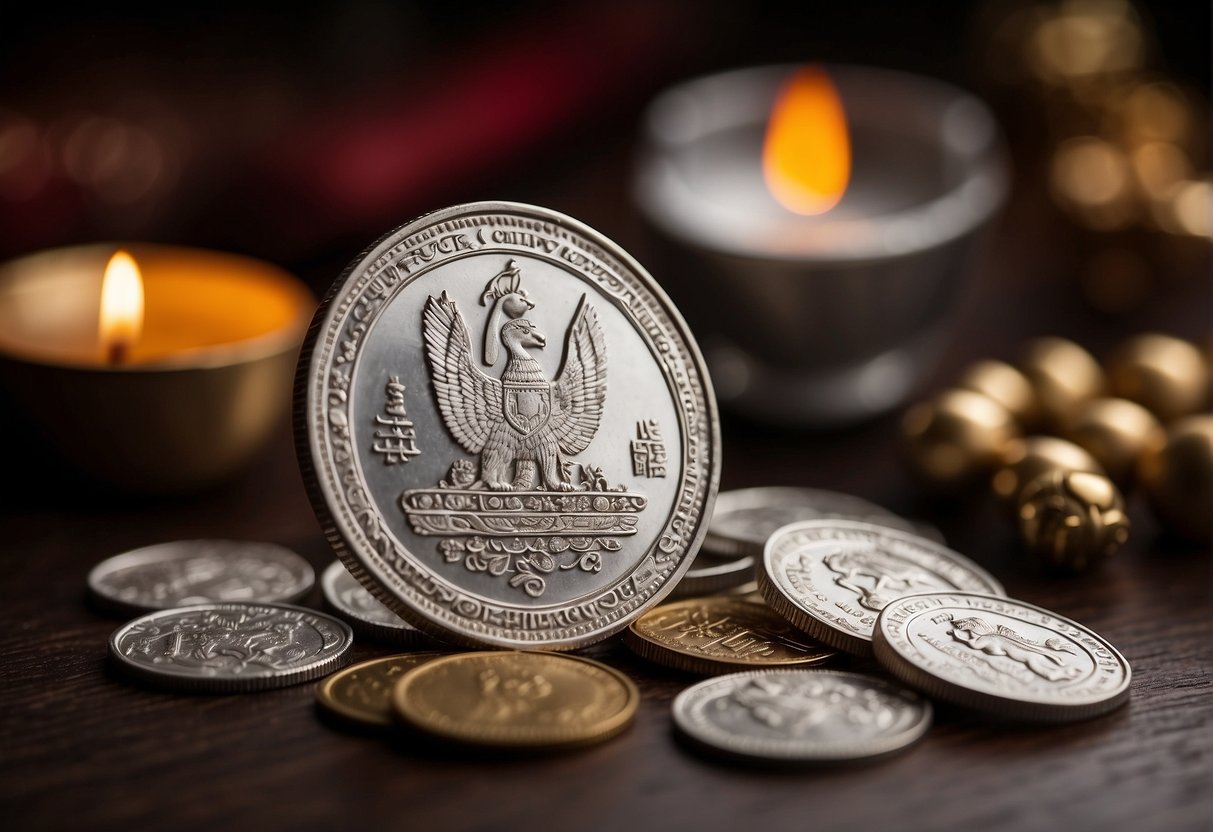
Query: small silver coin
point(507, 429)
point(365, 614)
point(231, 648)
point(801, 716)
point(185, 572)
point(1001, 656)
point(831, 578)
point(710, 574)
point(744, 519)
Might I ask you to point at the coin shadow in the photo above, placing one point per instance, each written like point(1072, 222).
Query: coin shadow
point(426, 750)
point(782, 768)
point(957, 725)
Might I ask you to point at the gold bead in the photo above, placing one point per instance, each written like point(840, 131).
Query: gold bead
point(1116, 432)
point(956, 438)
point(1177, 475)
point(1167, 375)
point(1063, 376)
point(1004, 384)
point(1024, 460)
point(1072, 519)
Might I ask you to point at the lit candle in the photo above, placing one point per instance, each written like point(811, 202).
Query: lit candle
point(156, 369)
point(816, 223)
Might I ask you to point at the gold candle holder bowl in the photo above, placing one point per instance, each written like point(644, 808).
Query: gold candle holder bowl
point(193, 398)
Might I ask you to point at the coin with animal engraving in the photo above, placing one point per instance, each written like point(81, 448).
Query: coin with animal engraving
point(743, 519)
point(831, 578)
point(231, 648)
point(721, 635)
point(366, 615)
point(801, 716)
point(512, 699)
point(506, 428)
point(185, 572)
point(1000, 655)
point(362, 693)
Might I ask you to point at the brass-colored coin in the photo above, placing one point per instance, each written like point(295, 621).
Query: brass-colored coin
point(516, 700)
point(362, 693)
point(721, 635)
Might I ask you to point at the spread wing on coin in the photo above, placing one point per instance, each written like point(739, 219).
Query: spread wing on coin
point(509, 437)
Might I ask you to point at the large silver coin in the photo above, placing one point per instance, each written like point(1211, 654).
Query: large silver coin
point(365, 614)
point(801, 715)
point(1000, 655)
point(743, 519)
point(506, 428)
point(228, 648)
point(186, 572)
point(831, 578)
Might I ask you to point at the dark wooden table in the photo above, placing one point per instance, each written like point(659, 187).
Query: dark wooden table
point(81, 747)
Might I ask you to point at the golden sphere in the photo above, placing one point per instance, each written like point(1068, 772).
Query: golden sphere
point(1063, 376)
point(956, 438)
point(1116, 432)
point(1167, 375)
point(1023, 460)
point(1004, 384)
point(1072, 519)
point(1178, 478)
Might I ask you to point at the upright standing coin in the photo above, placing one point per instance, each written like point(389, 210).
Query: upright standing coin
point(366, 615)
point(231, 647)
point(744, 519)
point(362, 693)
point(831, 578)
point(721, 635)
point(1000, 655)
point(186, 572)
point(516, 700)
point(506, 428)
point(801, 716)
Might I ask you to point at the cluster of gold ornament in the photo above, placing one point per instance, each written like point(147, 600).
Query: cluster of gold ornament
point(1063, 436)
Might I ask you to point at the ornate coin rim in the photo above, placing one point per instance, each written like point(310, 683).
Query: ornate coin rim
point(416, 593)
point(178, 679)
point(807, 619)
point(684, 708)
point(1012, 707)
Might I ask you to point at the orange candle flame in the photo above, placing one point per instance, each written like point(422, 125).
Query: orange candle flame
point(807, 154)
point(121, 307)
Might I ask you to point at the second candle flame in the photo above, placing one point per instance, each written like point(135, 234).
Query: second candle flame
point(807, 154)
point(121, 319)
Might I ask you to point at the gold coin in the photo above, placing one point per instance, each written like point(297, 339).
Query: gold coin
point(516, 699)
point(721, 635)
point(362, 693)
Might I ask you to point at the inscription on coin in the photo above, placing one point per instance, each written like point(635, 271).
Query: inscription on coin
point(832, 578)
point(231, 647)
point(530, 349)
point(806, 716)
point(719, 635)
point(185, 572)
point(1000, 655)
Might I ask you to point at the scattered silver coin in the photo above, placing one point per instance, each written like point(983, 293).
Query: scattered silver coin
point(831, 578)
point(1001, 656)
point(229, 648)
point(508, 427)
point(185, 572)
point(710, 574)
point(365, 614)
point(801, 716)
point(743, 519)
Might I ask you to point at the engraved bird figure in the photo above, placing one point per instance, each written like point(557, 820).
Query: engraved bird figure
point(521, 420)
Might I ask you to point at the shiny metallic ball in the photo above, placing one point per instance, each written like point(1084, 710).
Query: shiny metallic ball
point(1116, 432)
point(1007, 386)
point(1063, 376)
point(1072, 519)
point(1023, 460)
point(1167, 375)
point(1177, 475)
point(956, 438)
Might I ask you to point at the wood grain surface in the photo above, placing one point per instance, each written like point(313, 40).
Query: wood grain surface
point(83, 748)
